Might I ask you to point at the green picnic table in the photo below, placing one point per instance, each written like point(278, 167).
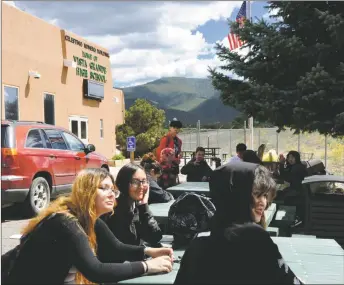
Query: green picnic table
point(197, 187)
point(314, 261)
point(160, 212)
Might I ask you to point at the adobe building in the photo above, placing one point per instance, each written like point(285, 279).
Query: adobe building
point(54, 76)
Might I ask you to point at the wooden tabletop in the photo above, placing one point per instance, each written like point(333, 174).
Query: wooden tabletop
point(315, 261)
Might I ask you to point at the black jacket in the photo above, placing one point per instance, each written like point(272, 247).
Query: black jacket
point(294, 174)
point(132, 226)
point(238, 250)
point(60, 243)
point(156, 193)
point(243, 255)
point(195, 173)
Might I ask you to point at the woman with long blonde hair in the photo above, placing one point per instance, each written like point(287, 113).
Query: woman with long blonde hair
point(72, 246)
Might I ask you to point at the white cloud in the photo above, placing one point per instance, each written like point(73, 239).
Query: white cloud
point(11, 3)
point(146, 40)
point(272, 12)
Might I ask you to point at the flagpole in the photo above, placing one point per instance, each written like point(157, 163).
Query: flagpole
point(248, 8)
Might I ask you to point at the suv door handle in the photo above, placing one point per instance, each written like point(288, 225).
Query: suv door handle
point(77, 157)
point(52, 156)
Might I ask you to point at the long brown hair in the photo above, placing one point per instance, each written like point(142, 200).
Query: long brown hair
point(80, 205)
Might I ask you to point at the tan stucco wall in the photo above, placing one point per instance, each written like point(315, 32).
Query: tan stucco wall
point(29, 43)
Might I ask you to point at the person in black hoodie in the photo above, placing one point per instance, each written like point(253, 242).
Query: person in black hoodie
point(293, 171)
point(197, 169)
point(239, 250)
point(132, 221)
point(153, 172)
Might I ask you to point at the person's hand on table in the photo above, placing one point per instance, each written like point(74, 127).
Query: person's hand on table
point(161, 251)
point(159, 265)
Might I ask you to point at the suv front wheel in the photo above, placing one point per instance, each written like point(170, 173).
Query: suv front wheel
point(39, 196)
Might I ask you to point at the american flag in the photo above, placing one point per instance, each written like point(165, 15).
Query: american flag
point(234, 40)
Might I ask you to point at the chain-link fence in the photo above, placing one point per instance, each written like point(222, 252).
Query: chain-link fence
point(314, 145)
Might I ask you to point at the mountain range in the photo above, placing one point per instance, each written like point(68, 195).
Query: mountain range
point(188, 99)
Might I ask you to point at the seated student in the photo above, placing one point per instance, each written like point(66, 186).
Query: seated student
point(132, 221)
point(70, 245)
point(238, 250)
point(153, 172)
point(294, 172)
point(197, 169)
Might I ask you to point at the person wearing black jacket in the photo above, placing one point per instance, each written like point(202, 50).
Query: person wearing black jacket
point(153, 172)
point(238, 250)
point(132, 221)
point(197, 169)
point(293, 171)
point(67, 243)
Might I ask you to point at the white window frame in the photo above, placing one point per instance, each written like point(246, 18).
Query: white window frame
point(79, 119)
point(3, 92)
point(53, 94)
point(101, 128)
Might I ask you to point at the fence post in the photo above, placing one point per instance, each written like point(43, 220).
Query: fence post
point(277, 141)
point(325, 151)
point(198, 133)
point(245, 132)
point(230, 143)
point(298, 142)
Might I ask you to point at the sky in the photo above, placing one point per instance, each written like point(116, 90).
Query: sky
point(148, 40)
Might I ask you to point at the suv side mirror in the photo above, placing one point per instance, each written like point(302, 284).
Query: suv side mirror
point(90, 148)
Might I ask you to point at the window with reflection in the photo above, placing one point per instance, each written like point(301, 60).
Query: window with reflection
point(11, 103)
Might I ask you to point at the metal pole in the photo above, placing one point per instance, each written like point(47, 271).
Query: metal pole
point(198, 133)
point(277, 141)
point(251, 118)
point(259, 138)
point(230, 142)
point(245, 132)
point(298, 142)
point(325, 151)
point(208, 141)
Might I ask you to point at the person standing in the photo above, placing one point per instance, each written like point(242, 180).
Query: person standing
point(171, 140)
point(240, 148)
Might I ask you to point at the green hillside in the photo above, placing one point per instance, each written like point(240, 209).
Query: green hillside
point(188, 99)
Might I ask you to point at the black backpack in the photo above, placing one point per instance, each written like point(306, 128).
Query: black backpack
point(189, 215)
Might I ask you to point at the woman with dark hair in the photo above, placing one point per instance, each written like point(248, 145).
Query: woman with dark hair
point(238, 250)
point(251, 156)
point(132, 221)
point(153, 172)
point(293, 171)
point(67, 243)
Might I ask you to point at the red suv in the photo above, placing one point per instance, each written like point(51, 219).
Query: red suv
point(40, 161)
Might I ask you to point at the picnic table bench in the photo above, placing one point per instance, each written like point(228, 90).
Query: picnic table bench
point(312, 260)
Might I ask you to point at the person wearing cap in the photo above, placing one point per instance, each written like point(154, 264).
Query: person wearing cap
point(171, 140)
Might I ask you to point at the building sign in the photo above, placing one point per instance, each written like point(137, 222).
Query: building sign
point(96, 71)
point(86, 46)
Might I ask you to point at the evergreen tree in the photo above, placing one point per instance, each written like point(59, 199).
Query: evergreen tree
point(293, 75)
